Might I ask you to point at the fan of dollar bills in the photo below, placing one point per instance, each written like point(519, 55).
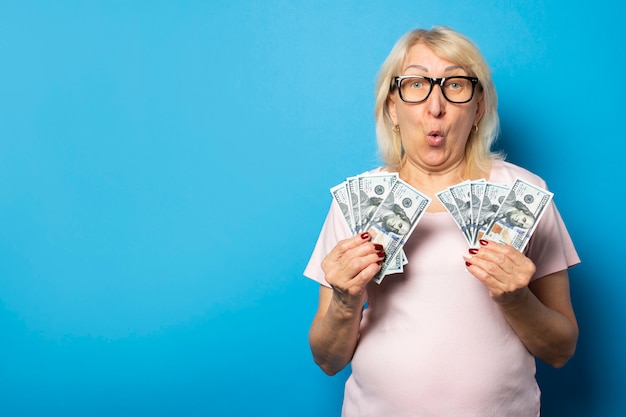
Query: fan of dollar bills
point(485, 210)
point(389, 208)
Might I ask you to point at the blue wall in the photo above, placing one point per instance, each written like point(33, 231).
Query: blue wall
point(164, 171)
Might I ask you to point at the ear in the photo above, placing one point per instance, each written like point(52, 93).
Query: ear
point(480, 109)
point(391, 109)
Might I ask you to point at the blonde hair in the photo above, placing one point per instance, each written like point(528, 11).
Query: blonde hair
point(452, 46)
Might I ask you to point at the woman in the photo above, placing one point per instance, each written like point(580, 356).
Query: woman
point(457, 333)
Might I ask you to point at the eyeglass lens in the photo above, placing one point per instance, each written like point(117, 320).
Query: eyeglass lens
point(455, 89)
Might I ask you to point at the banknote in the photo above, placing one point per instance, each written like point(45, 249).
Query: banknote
point(372, 189)
point(493, 197)
point(477, 189)
point(352, 183)
point(518, 215)
point(395, 219)
point(447, 199)
point(341, 197)
point(462, 194)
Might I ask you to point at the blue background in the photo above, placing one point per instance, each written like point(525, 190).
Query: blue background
point(165, 168)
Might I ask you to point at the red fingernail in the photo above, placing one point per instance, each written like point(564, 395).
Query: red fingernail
point(365, 236)
point(381, 254)
point(379, 262)
point(483, 242)
point(378, 247)
point(473, 251)
point(468, 264)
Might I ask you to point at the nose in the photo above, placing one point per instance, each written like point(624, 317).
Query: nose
point(436, 101)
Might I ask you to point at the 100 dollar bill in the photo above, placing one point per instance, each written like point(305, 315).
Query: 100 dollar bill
point(447, 199)
point(341, 197)
point(518, 216)
point(394, 221)
point(477, 191)
point(462, 195)
point(493, 197)
point(372, 189)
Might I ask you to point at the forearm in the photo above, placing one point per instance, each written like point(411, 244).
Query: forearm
point(348, 269)
point(546, 333)
point(333, 336)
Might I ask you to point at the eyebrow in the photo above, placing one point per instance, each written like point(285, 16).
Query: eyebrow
point(423, 68)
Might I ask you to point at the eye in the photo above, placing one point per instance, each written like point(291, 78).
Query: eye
point(456, 84)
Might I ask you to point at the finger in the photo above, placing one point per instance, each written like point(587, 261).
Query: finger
point(354, 283)
point(358, 264)
point(502, 250)
point(487, 272)
point(502, 257)
point(508, 268)
point(494, 264)
point(365, 246)
point(346, 245)
point(367, 274)
point(342, 269)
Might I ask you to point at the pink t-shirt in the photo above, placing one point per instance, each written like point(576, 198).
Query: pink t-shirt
point(432, 342)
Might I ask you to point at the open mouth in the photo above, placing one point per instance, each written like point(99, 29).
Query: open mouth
point(435, 138)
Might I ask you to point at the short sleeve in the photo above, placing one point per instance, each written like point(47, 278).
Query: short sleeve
point(551, 247)
point(333, 230)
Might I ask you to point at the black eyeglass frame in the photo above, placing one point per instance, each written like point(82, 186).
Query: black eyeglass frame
point(433, 81)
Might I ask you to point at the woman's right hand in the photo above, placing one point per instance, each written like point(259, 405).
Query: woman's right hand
point(350, 266)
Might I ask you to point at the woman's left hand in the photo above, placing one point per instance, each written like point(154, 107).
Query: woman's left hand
point(504, 270)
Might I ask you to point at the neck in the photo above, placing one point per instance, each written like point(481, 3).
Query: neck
point(431, 182)
point(425, 180)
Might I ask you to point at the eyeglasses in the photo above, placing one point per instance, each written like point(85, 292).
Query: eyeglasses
point(415, 88)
